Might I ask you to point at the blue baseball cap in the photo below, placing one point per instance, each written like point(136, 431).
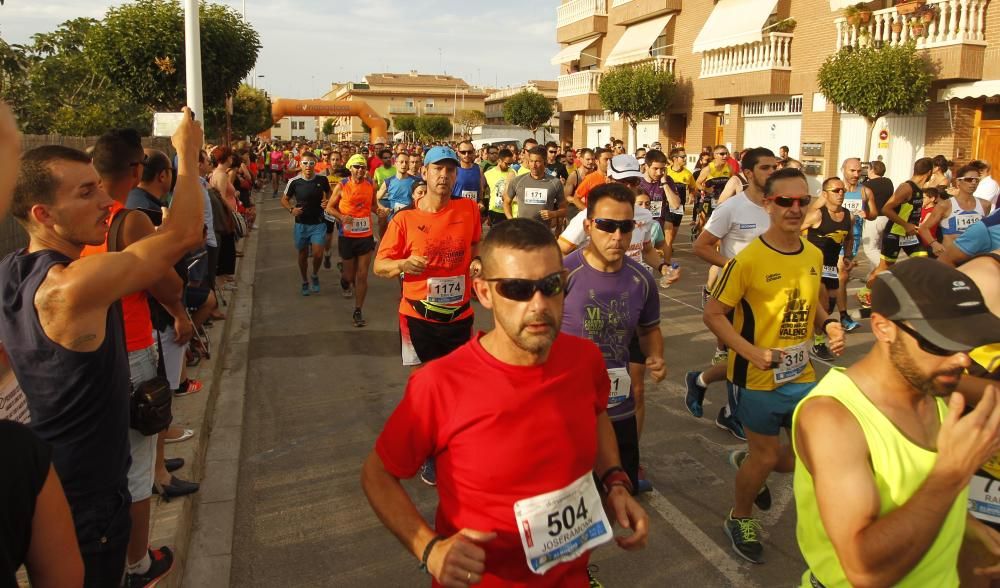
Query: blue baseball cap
point(439, 154)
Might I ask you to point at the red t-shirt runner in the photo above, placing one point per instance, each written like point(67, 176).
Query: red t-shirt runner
point(501, 434)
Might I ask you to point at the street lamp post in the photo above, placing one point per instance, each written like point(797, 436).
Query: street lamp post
point(192, 61)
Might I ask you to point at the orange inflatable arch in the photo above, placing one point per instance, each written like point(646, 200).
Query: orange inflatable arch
point(283, 107)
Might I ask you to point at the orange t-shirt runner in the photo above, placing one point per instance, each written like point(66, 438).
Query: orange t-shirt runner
point(356, 200)
point(445, 238)
point(590, 181)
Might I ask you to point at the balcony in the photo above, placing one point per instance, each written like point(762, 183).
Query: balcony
point(955, 38)
point(753, 69)
point(659, 63)
point(578, 19)
point(439, 110)
point(578, 91)
point(626, 12)
point(402, 109)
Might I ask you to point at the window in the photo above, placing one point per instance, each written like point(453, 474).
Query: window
point(429, 103)
point(409, 102)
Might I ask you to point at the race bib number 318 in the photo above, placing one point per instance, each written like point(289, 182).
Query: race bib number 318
point(562, 525)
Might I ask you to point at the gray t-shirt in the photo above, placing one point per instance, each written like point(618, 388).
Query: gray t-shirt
point(533, 196)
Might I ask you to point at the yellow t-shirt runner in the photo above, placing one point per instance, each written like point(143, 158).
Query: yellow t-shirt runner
point(774, 295)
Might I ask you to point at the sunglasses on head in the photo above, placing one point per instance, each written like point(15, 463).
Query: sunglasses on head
point(467, 152)
point(788, 201)
point(969, 179)
point(923, 343)
point(521, 289)
point(609, 225)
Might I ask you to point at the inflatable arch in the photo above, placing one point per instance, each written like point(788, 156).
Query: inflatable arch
point(283, 107)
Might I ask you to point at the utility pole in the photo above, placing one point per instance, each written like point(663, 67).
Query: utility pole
point(192, 60)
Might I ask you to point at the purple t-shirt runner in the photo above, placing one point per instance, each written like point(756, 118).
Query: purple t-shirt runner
point(607, 308)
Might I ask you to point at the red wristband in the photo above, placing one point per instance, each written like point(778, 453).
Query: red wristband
point(617, 478)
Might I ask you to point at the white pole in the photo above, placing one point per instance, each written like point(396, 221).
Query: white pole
point(192, 59)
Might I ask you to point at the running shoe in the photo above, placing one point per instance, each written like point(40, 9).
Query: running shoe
point(594, 582)
point(644, 485)
point(720, 356)
point(305, 288)
point(763, 499)
point(188, 386)
point(326, 262)
point(743, 534)
point(822, 352)
point(428, 473)
point(314, 286)
point(847, 323)
point(359, 320)
point(695, 395)
point(730, 423)
point(161, 562)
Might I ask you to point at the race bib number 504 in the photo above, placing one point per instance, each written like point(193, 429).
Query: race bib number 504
point(562, 525)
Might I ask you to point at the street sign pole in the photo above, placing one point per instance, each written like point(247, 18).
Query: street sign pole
point(192, 59)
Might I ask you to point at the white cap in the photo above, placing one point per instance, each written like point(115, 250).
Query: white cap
point(623, 167)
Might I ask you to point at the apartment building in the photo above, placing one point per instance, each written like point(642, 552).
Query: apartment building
point(495, 101)
point(290, 128)
point(412, 93)
point(746, 74)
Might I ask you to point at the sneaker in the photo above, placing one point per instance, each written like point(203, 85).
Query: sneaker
point(305, 288)
point(721, 356)
point(315, 284)
point(763, 499)
point(822, 352)
point(428, 473)
point(161, 562)
point(594, 582)
point(730, 423)
point(695, 394)
point(359, 320)
point(743, 534)
point(848, 324)
point(326, 262)
point(188, 386)
point(643, 485)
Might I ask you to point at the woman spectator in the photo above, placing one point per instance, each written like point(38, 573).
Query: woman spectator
point(222, 180)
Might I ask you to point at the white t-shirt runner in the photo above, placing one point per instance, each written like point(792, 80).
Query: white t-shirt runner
point(642, 234)
point(737, 222)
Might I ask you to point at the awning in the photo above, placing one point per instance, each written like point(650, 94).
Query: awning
point(572, 52)
point(836, 5)
point(635, 43)
point(983, 89)
point(734, 22)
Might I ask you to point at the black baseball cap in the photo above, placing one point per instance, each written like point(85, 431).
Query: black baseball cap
point(938, 301)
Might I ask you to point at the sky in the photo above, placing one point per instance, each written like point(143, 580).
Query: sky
point(486, 43)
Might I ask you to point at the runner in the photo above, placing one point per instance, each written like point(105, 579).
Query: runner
point(829, 229)
point(497, 178)
point(712, 180)
point(883, 461)
point(772, 286)
point(595, 178)
point(857, 199)
point(686, 189)
point(277, 168)
point(395, 192)
point(588, 164)
point(492, 155)
point(385, 170)
point(956, 214)
point(903, 211)
point(470, 182)
point(491, 516)
point(536, 194)
point(664, 203)
point(736, 224)
point(308, 192)
point(352, 203)
point(553, 167)
point(875, 223)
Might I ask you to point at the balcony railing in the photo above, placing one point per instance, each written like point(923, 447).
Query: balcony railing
point(955, 22)
point(659, 63)
point(617, 3)
point(439, 110)
point(773, 52)
point(574, 10)
point(402, 109)
point(579, 83)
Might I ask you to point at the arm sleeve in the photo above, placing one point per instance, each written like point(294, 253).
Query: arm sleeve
point(408, 438)
point(289, 188)
point(731, 285)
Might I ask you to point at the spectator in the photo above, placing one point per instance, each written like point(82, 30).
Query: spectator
point(988, 189)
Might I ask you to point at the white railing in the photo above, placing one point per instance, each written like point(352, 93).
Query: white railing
point(955, 22)
point(576, 84)
point(508, 92)
point(402, 109)
point(617, 3)
point(439, 110)
point(574, 10)
point(773, 52)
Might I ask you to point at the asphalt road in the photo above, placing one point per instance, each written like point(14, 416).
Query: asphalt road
point(319, 391)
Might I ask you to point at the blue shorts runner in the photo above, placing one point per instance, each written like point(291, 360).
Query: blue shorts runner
point(765, 412)
point(306, 234)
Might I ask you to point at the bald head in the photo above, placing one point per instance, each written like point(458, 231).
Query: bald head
point(985, 272)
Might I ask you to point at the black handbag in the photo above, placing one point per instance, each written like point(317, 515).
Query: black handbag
point(150, 401)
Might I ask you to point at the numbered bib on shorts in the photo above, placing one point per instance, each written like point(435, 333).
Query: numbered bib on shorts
point(908, 240)
point(854, 206)
point(361, 225)
point(535, 196)
point(794, 360)
point(964, 221)
point(562, 525)
point(276, 166)
point(445, 290)
point(471, 195)
point(621, 386)
point(656, 208)
point(830, 271)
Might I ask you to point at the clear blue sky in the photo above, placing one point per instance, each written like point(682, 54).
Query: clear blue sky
point(493, 43)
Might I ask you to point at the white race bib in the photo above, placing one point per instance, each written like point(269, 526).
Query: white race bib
point(621, 386)
point(471, 195)
point(964, 221)
point(562, 525)
point(445, 290)
point(907, 240)
point(656, 208)
point(830, 271)
point(794, 360)
point(361, 224)
point(984, 498)
point(535, 196)
point(854, 206)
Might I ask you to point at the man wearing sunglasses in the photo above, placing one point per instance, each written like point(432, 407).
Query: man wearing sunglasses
point(352, 203)
point(611, 299)
point(303, 199)
point(903, 212)
point(587, 166)
point(537, 195)
point(772, 288)
point(884, 455)
point(470, 182)
point(553, 167)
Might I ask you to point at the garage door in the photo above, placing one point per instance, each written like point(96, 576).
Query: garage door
point(906, 142)
point(598, 134)
point(647, 133)
point(773, 132)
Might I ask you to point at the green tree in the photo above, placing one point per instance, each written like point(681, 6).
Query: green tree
point(469, 119)
point(141, 48)
point(527, 109)
point(406, 123)
point(636, 92)
point(434, 127)
point(876, 81)
point(328, 127)
point(251, 112)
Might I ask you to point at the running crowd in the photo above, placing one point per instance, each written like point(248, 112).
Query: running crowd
point(892, 457)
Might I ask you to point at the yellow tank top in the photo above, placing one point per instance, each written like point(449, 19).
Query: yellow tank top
point(721, 172)
point(900, 468)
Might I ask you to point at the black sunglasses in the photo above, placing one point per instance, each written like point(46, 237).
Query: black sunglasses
point(357, 167)
point(788, 201)
point(923, 343)
point(521, 290)
point(610, 225)
point(837, 190)
point(467, 152)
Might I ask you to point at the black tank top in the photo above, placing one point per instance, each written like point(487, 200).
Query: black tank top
point(882, 190)
point(79, 401)
point(829, 235)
